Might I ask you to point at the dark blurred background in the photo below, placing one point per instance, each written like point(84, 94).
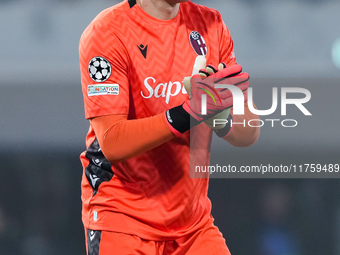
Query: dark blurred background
point(280, 43)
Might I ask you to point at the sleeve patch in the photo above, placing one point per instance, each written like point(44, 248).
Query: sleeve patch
point(105, 89)
point(99, 69)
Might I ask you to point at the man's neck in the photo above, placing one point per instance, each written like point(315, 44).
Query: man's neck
point(160, 9)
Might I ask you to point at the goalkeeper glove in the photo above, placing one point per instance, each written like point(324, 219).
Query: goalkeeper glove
point(199, 68)
point(179, 118)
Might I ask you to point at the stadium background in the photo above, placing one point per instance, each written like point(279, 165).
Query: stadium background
point(279, 43)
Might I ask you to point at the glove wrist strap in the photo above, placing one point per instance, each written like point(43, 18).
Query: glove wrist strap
point(180, 120)
point(227, 129)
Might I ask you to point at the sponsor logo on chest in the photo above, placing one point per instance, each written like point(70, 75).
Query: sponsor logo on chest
point(166, 90)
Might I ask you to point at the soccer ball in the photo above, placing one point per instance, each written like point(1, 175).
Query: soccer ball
point(99, 69)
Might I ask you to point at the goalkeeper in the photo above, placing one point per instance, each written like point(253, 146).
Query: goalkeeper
point(137, 193)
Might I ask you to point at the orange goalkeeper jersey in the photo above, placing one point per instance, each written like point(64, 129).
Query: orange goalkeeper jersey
point(134, 64)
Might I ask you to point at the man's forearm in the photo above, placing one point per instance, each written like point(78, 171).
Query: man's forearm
point(121, 139)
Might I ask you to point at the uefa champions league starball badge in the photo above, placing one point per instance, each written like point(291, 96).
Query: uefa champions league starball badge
point(99, 69)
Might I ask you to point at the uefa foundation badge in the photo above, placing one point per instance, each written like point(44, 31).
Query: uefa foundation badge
point(101, 90)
